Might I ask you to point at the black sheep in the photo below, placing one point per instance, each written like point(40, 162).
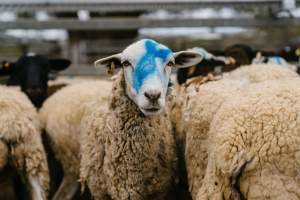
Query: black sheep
point(31, 73)
point(242, 54)
point(202, 69)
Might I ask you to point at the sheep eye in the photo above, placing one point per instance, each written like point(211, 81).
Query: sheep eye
point(126, 63)
point(170, 64)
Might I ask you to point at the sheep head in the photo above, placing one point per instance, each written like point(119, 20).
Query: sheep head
point(147, 68)
point(31, 73)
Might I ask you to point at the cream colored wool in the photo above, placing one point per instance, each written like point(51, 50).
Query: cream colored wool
point(247, 74)
point(20, 131)
point(176, 104)
point(255, 143)
point(61, 115)
point(126, 155)
point(256, 73)
point(201, 104)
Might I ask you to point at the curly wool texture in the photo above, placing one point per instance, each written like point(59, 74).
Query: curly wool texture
point(61, 115)
point(126, 155)
point(256, 73)
point(255, 143)
point(201, 106)
point(20, 132)
point(175, 105)
point(202, 103)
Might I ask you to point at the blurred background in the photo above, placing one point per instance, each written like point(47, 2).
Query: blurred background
point(84, 30)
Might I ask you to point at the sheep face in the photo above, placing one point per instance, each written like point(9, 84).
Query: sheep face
point(147, 67)
point(31, 72)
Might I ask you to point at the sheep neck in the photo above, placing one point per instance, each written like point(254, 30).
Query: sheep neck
point(125, 111)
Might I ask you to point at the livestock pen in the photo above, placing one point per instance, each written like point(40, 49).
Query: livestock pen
point(141, 99)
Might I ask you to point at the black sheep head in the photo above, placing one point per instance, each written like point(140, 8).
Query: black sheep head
point(242, 54)
point(205, 67)
point(31, 73)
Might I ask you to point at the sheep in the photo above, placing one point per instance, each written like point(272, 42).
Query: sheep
point(128, 159)
point(234, 56)
point(201, 104)
point(141, 86)
point(210, 64)
point(259, 58)
point(30, 72)
point(250, 73)
point(241, 53)
point(245, 55)
point(260, 72)
point(203, 101)
point(20, 142)
point(275, 59)
point(254, 144)
point(60, 116)
point(176, 102)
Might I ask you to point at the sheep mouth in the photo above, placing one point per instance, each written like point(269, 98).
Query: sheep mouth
point(151, 111)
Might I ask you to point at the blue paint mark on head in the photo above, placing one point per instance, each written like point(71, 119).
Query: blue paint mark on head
point(277, 59)
point(147, 65)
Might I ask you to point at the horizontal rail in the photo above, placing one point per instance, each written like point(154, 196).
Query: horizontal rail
point(136, 23)
point(125, 5)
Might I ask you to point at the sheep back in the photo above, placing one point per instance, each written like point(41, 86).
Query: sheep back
point(203, 102)
point(254, 144)
point(61, 115)
point(256, 73)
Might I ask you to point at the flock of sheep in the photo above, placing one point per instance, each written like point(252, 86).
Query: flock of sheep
point(235, 135)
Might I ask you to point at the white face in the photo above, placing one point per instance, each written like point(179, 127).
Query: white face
point(147, 68)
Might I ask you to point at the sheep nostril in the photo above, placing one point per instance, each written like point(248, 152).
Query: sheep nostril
point(152, 96)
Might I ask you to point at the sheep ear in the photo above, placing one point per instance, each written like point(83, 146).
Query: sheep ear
point(59, 64)
point(187, 58)
point(111, 63)
point(6, 68)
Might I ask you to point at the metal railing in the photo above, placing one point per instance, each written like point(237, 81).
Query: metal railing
point(136, 23)
point(127, 5)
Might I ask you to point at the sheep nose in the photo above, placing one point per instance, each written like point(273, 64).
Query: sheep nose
point(152, 96)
